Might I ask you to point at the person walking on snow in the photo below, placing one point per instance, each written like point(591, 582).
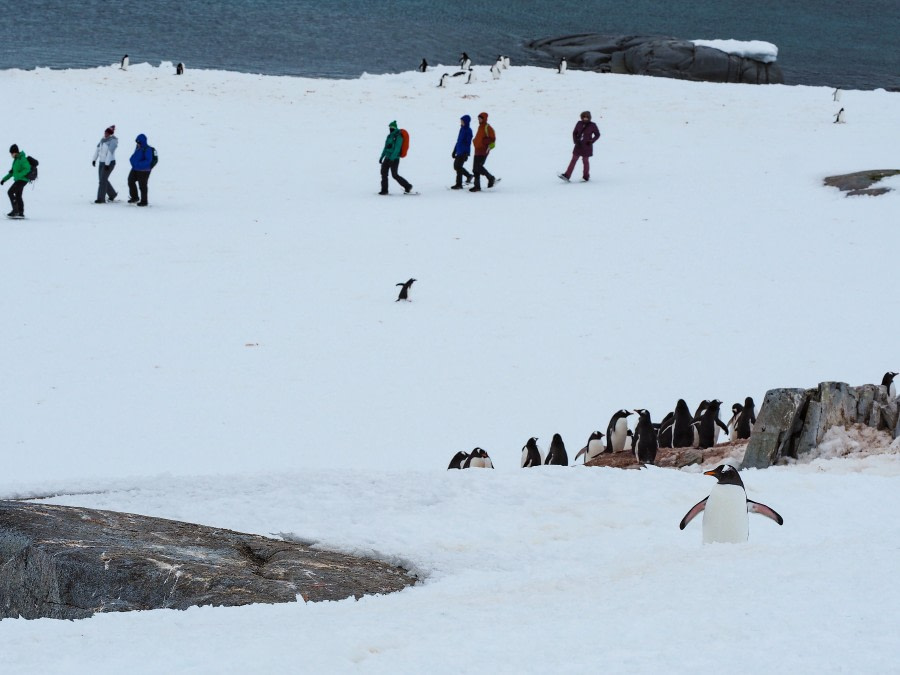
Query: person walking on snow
point(143, 159)
point(106, 155)
point(484, 143)
point(19, 171)
point(461, 152)
point(390, 159)
point(584, 135)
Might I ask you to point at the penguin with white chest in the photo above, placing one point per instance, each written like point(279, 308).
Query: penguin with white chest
point(725, 511)
point(617, 431)
point(478, 459)
point(888, 381)
point(732, 423)
point(593, 449)
point(563, 66)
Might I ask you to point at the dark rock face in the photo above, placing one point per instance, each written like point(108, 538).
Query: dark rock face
point(68, 563)
point(659, 56)
point(861, 182)
point(792, 422)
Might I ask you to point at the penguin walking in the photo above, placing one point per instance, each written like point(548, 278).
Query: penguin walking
point(836, 96)
point(732, 423)
point(478, 459)
point(179, 69)
point(710, 424)
point(423, 67)
point(471, 78)
point(746, 419)
point(840, 118)
point(464, 61)
point(443, 81)
point(644, 441)
point(531, 454)
point(563, 66)
point(617, 431)
point(124, 63)
point(725, 510)
point(593, 449)
point(495, 71)
point(888, 381)
point(458, 460)
point(557, 453)
point(404, 290)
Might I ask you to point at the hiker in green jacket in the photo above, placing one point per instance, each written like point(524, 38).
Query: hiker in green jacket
point(390, 159)
point(21, 167)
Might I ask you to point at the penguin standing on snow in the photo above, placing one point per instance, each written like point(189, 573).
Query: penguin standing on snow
point(471, 78)
point(617, 431)
point(458, 460)
point(464, 61)
point(404, 291)
point(593, 449)
point(531, 454)
point(840, 118)
point(124, 64)
point(563, 66)
point(888, 381)
point(557, 452)
point(732, 423)
point(423, 66)
point(725, 519)
point(836, 96)
point(746, 419)
point(443, 81)
point(478, 459)
point(179, 69)
point(495, 71)
point(644, 442)
point(505, 62)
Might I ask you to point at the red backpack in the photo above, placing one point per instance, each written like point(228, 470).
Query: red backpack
point(405, 147)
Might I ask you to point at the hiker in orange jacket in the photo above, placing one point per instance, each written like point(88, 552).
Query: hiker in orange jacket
point(484, 143)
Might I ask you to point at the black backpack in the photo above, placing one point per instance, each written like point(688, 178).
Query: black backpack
point(32, 175)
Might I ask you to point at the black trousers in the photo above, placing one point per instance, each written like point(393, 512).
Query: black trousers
point(135, 179)
point(460, 169)
point(15, 196)
point(392, 165)
point(479, 170)
point(105, 190)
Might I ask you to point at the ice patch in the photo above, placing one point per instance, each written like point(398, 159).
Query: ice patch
point(750, 49)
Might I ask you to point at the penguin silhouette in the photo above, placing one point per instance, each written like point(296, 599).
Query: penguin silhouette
point(531, 454)
point(404, 291)
point(888, 381)
point(725, 510)
point(179, 69)
point(644, 443)
point(563, 66)
point(836, 96)
point(617, 431)
point(458, 460)
point(423, 66)
point(710, 424)
point(732, 423)
point(557, 453)
point(746, 419)
point(682, 431)
point(593, 449)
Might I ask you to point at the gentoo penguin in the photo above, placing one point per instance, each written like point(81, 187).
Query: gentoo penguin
point(557, 452)
point(499, 62)
point(725, 519)
point(682, 431)
point(746, 419)
point(617, 431)
point(464, 61)
point(732, 423)
point(404, 291)
point(423, 66)
point(593, 449)
point(888, 381)
point(836, 96)
point(840, 118)
point(443, 80)
point(563, 66)
point(708, 429)
point(664, 436)
point(458, 460)
point(531, 454)
point(495, 71)
point(471, 78)
point(124, 63)
point(505, 62)
point(696, 422)
point(179, 69)
point(478, 459)
point(644, 441)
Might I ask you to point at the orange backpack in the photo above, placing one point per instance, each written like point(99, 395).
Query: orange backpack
point(405, 147)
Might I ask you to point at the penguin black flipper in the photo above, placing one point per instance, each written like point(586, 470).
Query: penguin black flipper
point(763, 510)
point(581, 452)
point(722, 425)
point(695, 510)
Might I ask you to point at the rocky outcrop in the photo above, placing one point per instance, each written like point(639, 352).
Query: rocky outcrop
point(69, 563)
point(861, 182)
point(659, 56)
point(792, 422)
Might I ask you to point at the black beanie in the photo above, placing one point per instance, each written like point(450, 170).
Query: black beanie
point(14, 148)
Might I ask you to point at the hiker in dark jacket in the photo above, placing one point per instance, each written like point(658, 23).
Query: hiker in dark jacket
point(484, 143)
point(461, 152)
point(21, 167)
point(584, 135)
point(143, 159)
point(390, 159)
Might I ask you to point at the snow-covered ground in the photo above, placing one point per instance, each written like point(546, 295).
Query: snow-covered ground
point(233, 356)
point(751, 49)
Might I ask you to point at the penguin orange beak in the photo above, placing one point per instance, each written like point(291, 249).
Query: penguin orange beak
point(709, 473)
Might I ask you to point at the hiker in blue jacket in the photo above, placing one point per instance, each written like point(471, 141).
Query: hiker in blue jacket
point(461, 152)
point(143, 159)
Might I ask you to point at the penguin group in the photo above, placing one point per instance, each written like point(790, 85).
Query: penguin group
point(477, 459)
point(466, 70)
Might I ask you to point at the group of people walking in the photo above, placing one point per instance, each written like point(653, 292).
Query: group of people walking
point(143, 159)
point(584, 135)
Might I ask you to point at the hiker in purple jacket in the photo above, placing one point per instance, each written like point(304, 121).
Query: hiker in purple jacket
point(584, 135)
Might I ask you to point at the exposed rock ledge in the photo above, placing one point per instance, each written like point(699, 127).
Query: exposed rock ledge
point(861, 182)
point(659, 56)
point(68, 563)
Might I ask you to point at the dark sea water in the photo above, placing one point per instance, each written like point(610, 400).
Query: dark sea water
point(821, 42)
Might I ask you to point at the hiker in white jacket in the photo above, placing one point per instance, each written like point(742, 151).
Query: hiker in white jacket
point(106, 155)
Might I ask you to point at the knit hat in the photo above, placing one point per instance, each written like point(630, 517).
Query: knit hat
point(110, 130)
point(14, 148)
point(393, 125)
point(482, 116)
point(586, 113)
